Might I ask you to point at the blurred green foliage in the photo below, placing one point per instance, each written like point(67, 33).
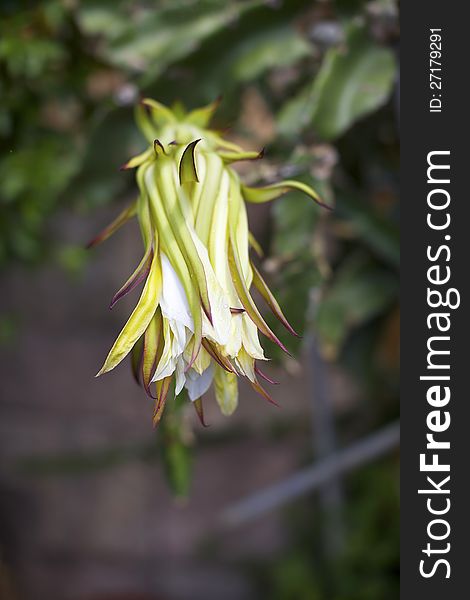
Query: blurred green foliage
point(347, 86)
point(71, 71)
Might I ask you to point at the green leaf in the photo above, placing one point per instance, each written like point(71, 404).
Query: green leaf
point(359, 291)
point(32, 176)
point(355, 79)
point(149, 40)
point(274, 48)
point(380, 233)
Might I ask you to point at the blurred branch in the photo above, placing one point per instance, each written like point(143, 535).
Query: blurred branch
point(324, 444)
point(310, 479)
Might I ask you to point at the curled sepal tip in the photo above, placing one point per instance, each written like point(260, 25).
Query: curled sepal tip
point(187, 166)
point(158, 147)
point(273, 191)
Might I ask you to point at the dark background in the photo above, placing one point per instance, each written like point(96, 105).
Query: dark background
point(424, 132)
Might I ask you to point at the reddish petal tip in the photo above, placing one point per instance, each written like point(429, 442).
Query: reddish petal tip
point(262, 392)
point(149, 393)
point(157, 144)
point(259, 372)
point(200, 411)
point(194, 355)
point(278, 342)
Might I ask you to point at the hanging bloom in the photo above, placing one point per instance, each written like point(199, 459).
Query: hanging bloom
point(196, 323)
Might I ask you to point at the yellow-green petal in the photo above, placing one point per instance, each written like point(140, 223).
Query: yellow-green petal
point(152, 344)
point(139, 319)
point(226, 390)
point(161, 114)
point(200, 117)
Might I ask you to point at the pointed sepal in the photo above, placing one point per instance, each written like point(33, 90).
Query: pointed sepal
point(255, 245)
point(259, 372)
point(271, 192)
point(231, 157)
point(246, 299)
point(118, 222)
point(263, 393)
point(219, 358)
point(161, 114)
point(138, 160)
point(139, 275)
point(200, 411)
point(201, 117)
point(139, 319)
point(271, 301)
point(187, 166)
point(144, 123)
point(163, 387)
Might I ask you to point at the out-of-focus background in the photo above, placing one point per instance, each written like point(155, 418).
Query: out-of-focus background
point(91, 503)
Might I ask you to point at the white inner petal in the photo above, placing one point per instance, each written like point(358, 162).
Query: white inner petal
point(167, 362)
point(197, 385)
point(175, 336)
point(174, 303)
point(219, 331)
point(250, 338)
point(235, 340)
point(180, 375)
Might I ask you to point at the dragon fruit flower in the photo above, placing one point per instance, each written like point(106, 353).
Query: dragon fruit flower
point(195, 323)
